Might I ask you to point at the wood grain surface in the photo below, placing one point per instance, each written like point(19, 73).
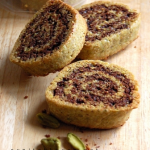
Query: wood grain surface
point(18, 126)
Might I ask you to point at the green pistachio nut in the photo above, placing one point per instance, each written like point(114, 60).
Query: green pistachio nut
point(51, 144)
point(47, 120)
point(75, 142)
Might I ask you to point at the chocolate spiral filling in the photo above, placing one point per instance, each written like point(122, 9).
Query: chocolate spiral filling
point(46, 32)
point(103, 20)
point(95, 84)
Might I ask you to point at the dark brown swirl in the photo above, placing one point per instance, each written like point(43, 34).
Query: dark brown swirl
point(45, 33)
point(95, 84)
point(104, 20)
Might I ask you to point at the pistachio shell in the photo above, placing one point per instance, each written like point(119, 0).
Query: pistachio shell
point(51, 144)
point(75, 142)
point(47, 120)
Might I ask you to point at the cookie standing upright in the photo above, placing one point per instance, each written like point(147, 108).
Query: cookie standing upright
point(93, 94)
point(51, 40)
point(111, 27)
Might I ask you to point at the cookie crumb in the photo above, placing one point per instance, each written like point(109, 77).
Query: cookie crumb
point(134, 46)
point(47, 135)
point(25, 97)
point(86, 140)
point(110, 143)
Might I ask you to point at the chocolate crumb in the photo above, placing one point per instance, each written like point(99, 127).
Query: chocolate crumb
point(25, 97)
point(110, 143)
point(47, 135)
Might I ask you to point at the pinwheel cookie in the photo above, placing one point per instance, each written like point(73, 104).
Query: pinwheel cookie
point(111, 27)
point(93, 94)
point(51, 40)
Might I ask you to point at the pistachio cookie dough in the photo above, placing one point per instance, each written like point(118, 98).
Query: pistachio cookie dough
point(111, 27)
point(93, 94)
point(51, 40)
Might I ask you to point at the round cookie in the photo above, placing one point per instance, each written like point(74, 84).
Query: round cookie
point(93, 94)
point(51, 40)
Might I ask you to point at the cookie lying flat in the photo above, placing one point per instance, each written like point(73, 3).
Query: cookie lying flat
point(93, 94)
point(111, 27)
point(51, 40)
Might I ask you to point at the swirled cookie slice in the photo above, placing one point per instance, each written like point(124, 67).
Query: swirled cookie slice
point(93, 94)
point(111, 27)
point(51, 40)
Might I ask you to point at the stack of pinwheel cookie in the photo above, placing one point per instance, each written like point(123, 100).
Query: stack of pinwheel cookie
point(88, 93)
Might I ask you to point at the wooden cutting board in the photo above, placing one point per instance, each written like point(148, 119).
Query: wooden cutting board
point(22, 96)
